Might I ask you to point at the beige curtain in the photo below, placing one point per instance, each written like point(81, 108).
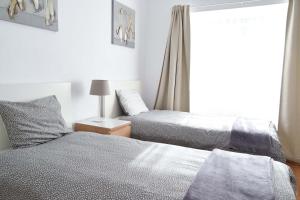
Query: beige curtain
point(173, 92)
point(289, 119)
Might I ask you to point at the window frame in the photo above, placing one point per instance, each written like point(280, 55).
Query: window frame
point(238, 4)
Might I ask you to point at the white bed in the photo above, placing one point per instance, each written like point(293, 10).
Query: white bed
point(196, 131)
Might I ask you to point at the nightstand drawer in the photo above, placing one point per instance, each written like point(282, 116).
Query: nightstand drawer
point(90, 128)
point(124, 131)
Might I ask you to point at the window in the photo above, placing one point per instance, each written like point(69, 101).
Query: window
point(237, 60)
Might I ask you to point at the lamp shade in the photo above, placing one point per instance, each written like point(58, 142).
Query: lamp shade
point(100, 88)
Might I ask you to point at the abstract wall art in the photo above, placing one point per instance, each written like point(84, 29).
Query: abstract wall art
point(123, 25)
point(36, 13)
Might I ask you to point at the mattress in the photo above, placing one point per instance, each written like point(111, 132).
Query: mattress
point(194, 131)
point(93, 166)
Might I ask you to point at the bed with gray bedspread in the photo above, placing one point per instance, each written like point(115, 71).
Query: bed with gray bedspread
point(92, 166)
point(207, 133)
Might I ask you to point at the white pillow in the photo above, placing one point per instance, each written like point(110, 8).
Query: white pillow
point(131, 102)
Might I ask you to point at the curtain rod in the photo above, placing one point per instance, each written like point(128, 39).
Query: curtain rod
point(237, 4)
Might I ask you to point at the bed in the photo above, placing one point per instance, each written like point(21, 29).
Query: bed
point(82, 165)
point(207, 133)
point(92, 166)
point(251, 136)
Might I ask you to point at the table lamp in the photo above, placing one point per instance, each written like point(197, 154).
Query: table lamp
point(100, 88)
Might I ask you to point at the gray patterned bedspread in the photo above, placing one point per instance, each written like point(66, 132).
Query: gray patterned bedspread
point(191, 130)
point(93, 166)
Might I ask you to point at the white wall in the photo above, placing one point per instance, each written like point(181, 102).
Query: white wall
point(79, 52)
point(82, 49)
point(157, 26)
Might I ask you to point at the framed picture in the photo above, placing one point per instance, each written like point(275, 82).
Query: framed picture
point(123, 25)
point(37, 13)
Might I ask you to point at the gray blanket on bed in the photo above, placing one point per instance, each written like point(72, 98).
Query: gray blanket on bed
point(196, 131)
point(93, 166)
point(255, 137)
point(237, 176)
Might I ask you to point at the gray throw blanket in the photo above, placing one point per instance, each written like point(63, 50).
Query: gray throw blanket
point(255, 137)
point(236, 177)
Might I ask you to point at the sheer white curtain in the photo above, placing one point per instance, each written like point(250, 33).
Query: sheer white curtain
point(236, 61)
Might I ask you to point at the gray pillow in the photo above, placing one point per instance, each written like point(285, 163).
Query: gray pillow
point(33, 123)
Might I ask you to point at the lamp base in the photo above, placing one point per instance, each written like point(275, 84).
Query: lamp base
point(102, 107)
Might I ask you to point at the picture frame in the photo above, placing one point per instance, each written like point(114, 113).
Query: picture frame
point(123, 25)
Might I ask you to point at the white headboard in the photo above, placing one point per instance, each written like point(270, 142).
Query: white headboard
point(27, 92)
point(112, 106)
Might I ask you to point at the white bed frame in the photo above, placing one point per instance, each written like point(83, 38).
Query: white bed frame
point(27, 92)
point(112, 106)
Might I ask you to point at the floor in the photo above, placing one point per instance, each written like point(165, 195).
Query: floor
point(296, 169)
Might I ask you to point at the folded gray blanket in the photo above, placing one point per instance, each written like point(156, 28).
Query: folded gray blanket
point(255, 137)
point(233, 176)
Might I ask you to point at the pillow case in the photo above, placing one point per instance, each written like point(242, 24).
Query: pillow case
point(32, 123)
point(131, 102)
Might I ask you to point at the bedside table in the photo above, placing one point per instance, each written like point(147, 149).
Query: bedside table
point(106, 127)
